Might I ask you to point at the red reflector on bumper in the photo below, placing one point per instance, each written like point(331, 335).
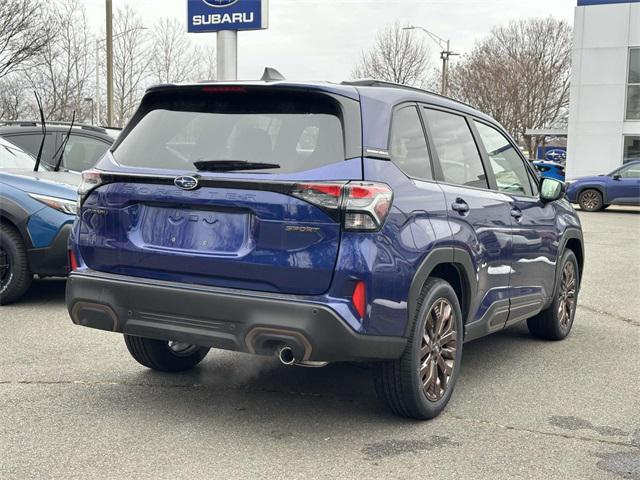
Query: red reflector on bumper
point(359, 298)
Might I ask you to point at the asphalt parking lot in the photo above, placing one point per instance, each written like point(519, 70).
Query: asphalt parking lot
point(74, 404)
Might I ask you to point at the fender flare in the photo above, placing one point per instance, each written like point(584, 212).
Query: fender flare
point(599, 188)
point(569, 234)
point(18, 217)
point(458, 258)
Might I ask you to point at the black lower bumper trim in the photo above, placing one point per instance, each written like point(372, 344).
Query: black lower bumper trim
point(230, 320)
point(51, 261)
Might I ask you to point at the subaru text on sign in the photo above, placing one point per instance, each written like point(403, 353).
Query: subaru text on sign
point(217, 15)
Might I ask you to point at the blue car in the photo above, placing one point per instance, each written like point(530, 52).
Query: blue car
point(37, 210)
point(321, 222)
point(550, 169)
point(620, 187)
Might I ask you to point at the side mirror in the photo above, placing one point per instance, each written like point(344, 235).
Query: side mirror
point(551, 189)
point(617, 177)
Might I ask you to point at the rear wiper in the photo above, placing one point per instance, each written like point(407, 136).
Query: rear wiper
point(231, 165)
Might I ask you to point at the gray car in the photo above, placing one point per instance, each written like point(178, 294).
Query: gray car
point(85, 146)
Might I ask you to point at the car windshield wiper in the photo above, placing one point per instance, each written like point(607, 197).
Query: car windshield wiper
point(231, 165)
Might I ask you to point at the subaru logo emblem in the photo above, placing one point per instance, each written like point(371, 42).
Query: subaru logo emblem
point(220, 3)
point(556, 154)
point(186, 183)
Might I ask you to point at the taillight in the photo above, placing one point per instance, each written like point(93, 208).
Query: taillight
point(359, 298)
point(90, 180)
point(365, 205)
point(325, 195)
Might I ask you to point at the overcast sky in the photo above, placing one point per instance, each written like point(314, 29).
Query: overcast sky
point(322, 39)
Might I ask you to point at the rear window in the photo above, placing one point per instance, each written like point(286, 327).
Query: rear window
point(297, 131)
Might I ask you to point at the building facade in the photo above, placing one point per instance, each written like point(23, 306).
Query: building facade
point(604, 116)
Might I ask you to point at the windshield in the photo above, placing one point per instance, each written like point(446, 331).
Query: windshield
point(286, 132)
point(13, 157)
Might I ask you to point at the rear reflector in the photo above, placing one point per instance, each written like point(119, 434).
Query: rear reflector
point(73, 261)
point(359, 298)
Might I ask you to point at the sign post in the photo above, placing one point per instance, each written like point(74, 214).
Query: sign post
point(227, 17)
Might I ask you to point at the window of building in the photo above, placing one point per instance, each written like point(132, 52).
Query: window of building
point(631, 148)
point(633, 88)
point(408, 147)
point(459, 157)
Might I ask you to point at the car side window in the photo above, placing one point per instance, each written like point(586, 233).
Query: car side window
point(534, 179)
point(82, 152)
point(30, 142)
point(408, 146)
point(507, 165)
point(457, 151)
point(632, 171)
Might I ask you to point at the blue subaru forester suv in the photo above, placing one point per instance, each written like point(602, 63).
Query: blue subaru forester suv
point(321, 222)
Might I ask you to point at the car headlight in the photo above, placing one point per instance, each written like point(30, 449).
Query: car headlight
point(70, 207)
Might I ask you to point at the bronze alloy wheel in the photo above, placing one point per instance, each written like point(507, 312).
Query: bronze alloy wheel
point(567, 295)
point(438, 349)
point(590, 200)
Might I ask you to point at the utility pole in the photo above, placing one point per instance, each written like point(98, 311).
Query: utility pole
point(227, 55)
point(109, 12)
point(98, 112)
point(445, 55)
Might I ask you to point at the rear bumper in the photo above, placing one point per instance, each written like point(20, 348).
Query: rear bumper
point(220, 318)
point(53, 260)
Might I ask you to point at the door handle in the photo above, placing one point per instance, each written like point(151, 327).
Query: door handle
point(516, 213)
point(460, 206)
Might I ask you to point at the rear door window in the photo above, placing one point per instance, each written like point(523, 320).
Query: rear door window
point(82, 152)
point(408, 146)
point(296, 131)
point(457, 151)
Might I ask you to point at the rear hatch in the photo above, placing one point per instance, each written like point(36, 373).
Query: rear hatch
point(211, 185)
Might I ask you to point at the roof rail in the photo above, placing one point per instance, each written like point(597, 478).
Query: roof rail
point(35, 123)
point(371, 82)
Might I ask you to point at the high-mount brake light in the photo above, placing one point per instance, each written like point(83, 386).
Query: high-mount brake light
point(365, 204)
point(90, 180)
point(224, 89)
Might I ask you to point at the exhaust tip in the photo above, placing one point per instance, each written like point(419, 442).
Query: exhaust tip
point(285, 355)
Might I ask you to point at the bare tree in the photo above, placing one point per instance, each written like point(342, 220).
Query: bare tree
point(397, 56)
point(173, 54)
point(13, 104)
point(131, 56)
point(24, 32)
point(207, 63)
point(520, 75)
point(63, 75)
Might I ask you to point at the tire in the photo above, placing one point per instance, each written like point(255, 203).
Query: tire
point(590, 200)
point(15, 276)
point(159, 355)
point(555, 322)
point(399, 383)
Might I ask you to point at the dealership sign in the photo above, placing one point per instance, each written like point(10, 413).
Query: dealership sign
point(553, 154)
point(216, 15)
